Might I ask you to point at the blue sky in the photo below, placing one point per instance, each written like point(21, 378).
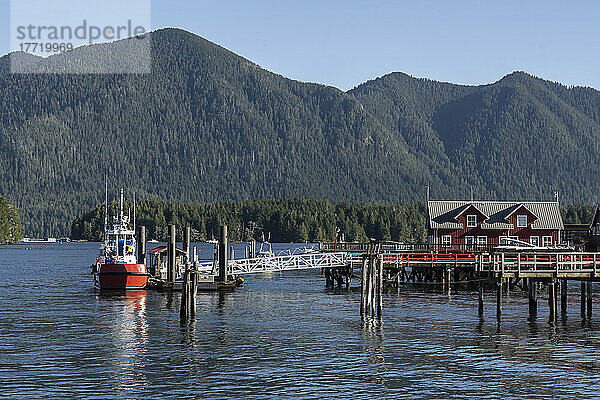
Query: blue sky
point(346, 42)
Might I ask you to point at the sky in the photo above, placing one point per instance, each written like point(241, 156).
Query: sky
point(344, 43)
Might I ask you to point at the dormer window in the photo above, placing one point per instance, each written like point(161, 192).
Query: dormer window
point(471, 221)
point(521, 221)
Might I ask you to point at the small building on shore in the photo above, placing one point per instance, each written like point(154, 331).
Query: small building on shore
point(480, 225)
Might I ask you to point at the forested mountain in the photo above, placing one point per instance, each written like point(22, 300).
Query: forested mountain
point(11, 229)
point(519, 138)
point(207, 125)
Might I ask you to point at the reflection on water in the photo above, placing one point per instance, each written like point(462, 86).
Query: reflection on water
point(282, 335)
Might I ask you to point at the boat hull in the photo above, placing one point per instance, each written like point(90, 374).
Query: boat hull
point(122, 276)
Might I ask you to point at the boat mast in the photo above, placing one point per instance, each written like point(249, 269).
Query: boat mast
point(105, 205)
point(134, 211)
point(121, 204)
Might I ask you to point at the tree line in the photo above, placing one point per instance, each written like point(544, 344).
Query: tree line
point(285, 220)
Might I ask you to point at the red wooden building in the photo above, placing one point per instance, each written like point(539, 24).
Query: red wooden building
point(483, 224)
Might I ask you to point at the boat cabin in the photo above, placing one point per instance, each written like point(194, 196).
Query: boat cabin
point(157, 261)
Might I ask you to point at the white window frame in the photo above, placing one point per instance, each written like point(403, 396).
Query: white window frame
point(535, 239)
point(471, 224)
point(519, 223)
point(546, 241)
point(446, 240)
point(482, 240)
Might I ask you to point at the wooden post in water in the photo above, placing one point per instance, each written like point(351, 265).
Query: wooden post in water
point(563, 296)
point(186, 241)
point(481, 283)
point(370, 275)
point(380, 285)
point(449, 281)
point(171, 255)
point(589, 294)
point(141, 250)
point(552, 302)
point(185, 298)
point(583, 299)
point(499, 300)
point(363, 287)
point(223, 254)
point(532, 289)
point(194, 289)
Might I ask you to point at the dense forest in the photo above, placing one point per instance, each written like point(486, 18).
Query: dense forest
point(207, 126)
point(11, 229)
point(286, 220)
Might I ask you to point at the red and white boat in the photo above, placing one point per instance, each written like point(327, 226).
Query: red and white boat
point(117, 267)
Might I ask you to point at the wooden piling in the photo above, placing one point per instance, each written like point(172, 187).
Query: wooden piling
point(141, 250)
point(499, 300)
point(171, 255)
point(583, 299)
point(223, 254)
point(552, 302)
point(185, 298)
point(194, 289)
point(532, 289)
point(563, 296)
point(589, 293)
point(481, 283)
point(449, 281)
point(186, 241)
point(363, 287)
point(380, 285)
point(370, 291)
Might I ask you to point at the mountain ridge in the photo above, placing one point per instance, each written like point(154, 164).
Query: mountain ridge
point(208, 125)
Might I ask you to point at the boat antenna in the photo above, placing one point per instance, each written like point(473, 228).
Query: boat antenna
point(105, 204)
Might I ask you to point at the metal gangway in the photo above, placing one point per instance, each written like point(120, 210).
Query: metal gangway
point(291, 262)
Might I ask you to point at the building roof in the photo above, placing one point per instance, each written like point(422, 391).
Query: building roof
point(443, 214)
point(163, 249)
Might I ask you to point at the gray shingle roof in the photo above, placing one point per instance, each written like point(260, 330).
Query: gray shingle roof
point(442, 214)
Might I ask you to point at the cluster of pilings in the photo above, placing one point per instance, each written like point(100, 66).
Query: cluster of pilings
point(371, 294)
point(557, 291)
point(340, 276)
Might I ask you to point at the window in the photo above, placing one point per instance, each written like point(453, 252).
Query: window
point(546, 241)
point(471, 221)
point(534, 240)
point(481, 240)
point(469, 242)
point(521, 221)
point(446, 240)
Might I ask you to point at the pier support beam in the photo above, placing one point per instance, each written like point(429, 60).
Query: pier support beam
point(379, 285)
point(563, 296)
point(186, 241)
point(589, 294)
point(449, 281)
point(499, 300)
point(363, 287)
point(141, 250)
point(223, 254)
point(532, 289)
point(481, 283)
point(552, 302)
point(583, 299)
point(171, 255)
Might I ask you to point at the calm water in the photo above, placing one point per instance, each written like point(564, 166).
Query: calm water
point(281, 336)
